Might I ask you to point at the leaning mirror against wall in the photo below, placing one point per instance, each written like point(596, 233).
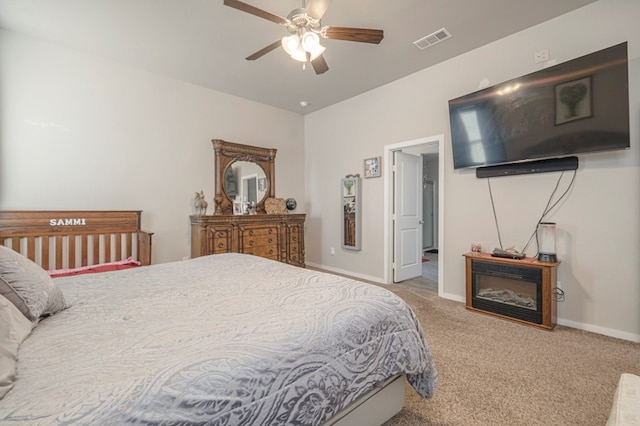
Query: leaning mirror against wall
point(350, 190)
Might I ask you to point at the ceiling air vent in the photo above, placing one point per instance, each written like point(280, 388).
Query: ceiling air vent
point(433, 38)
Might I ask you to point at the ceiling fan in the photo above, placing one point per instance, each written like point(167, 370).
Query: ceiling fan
point(303, 24)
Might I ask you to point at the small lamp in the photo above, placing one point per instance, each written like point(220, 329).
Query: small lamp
point(547, 242)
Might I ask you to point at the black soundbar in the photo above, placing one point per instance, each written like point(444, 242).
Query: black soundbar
point(527, 167)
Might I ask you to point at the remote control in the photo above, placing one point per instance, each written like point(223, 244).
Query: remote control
point(509, 254)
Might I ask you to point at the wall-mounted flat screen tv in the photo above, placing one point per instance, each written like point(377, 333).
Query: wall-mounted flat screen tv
point(578, 106)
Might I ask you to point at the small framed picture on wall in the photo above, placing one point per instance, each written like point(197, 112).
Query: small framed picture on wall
point(372, 167)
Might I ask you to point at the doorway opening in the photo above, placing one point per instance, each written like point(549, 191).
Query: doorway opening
point(431, 181)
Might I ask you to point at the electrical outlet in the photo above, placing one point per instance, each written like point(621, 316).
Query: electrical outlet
point(558, 292)
point(541, 56)
point(333, 251)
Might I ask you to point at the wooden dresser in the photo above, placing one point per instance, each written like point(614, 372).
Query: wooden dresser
point(273, 236)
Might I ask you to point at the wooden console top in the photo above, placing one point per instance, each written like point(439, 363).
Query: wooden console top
point(526, 261)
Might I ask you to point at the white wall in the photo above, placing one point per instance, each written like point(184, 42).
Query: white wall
point(598, 225)
point(78, 132)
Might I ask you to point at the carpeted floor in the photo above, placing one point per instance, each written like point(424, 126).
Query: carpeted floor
point(497, 372)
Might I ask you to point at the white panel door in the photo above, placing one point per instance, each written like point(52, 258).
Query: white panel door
point(407, 224)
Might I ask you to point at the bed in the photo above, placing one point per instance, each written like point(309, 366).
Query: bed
point(227, 339)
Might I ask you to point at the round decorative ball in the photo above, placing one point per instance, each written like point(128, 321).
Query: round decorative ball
point(291, 204)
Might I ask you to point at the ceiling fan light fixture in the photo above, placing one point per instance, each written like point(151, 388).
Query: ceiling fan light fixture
point(310, 41)
point(317, 52)
point(299, 54)
point(291, 43)
point(297, 46)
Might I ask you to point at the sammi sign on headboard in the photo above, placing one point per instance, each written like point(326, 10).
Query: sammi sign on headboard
point(67, 222)
point(67, 239)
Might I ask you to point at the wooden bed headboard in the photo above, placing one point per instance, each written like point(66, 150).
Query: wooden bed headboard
point(59, 239)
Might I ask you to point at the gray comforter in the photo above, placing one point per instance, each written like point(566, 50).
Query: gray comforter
point(223, 340)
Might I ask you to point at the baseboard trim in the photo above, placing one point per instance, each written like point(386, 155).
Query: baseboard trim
point(348, 273)
point(600, 330)
point(453, 297)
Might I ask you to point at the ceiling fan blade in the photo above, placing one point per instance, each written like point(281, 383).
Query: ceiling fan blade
point(317, 8)
point(363, 35)
point(320, 65)
point(255, 11)
point(264, 51)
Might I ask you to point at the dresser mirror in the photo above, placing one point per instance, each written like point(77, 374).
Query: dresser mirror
point(351, 228)
point(245, 181)
point(244, 173)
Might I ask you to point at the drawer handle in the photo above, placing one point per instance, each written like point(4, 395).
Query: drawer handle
point(220, 234)
point(271, 251)
point(251, 233)
point(270, 230)
point(294, 238)
point(220, 245)
point(270, 240)
point(251, 242)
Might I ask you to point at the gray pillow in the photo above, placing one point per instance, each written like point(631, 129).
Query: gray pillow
point(28, 286)
point(15, 328)
point(13, 296)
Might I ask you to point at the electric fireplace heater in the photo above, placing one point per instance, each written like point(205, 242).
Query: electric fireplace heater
point(519, 290)
point(509, 290)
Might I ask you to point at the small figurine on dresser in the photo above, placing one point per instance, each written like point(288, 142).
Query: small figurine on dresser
point(201, 204)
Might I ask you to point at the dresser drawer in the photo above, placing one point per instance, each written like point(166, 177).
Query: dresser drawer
point(220, 241)
point(266, 252)
point(259, 237)
point(262, 241)
point(259, 231)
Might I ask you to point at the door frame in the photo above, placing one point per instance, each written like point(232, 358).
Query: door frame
point(437, 142)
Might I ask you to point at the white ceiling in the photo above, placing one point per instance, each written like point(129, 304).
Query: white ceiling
point(204, 42)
